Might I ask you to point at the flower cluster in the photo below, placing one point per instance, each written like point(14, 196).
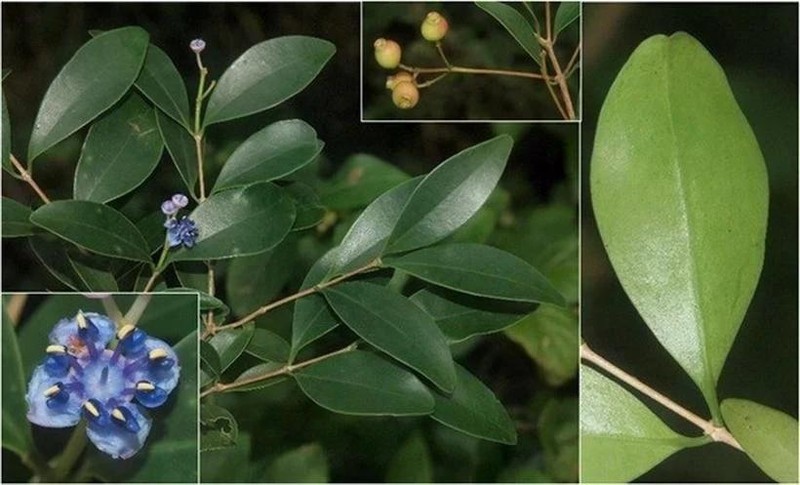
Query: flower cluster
point(181, 231)
point(86, 374)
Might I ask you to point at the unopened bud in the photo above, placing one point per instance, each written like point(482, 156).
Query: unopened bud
point(197, 45)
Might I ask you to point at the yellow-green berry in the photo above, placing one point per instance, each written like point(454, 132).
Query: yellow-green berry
point(387, 53)
point(405, 95)
point(391, 81)
point(434, 27)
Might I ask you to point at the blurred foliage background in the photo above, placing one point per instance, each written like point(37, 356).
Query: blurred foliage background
point(475, 39)
point(283, 436)
point(756, 44)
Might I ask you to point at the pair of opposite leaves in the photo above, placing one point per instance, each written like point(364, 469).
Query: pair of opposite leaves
point(680, 193)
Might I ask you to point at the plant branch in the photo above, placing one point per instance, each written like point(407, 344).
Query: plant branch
point(551, 90)
point(112, 310)
point(441, 53)
point(72, 451)
point(26, 176)
point(300, 294)
point(470, 70)
point(286, 369)
point(560, 79)
point(159, 267)
point(717, 433)
point(547, 21)
point(572, 64)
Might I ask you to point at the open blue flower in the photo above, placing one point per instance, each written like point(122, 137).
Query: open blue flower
point(104, 376)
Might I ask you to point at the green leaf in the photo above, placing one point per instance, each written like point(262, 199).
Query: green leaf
point(550, 337)
point(257, 371)
point(268, 346)
point(121, 150)
point(240, 222)
point(681, 201)
point(367, 237)
point(620, 437)
point(230, 344)
point(16, 427)
point(94, 271)
point(229, 465)
point(450, 194)
point(218, 428)
point(255, 280)
point(96, 77)
point(181, 148)
point(93, 226)
point(161, 82)
point(313, 317)
point(52, 253)
point(306, 464)
point(271, 153)
point(516, 25)
point(567, 13)
point(412, 462)
point(266, 75)
point(768, 436)
point(475, 410)
point(151, 227)
point(360, 180)
point(365, 384)
point(463, 316)
point(307, 205)
point(207, 302)
point(209, 360)
point(558, 433)
point(391, 323)
point(478, 270)
point(16, 219)
point(192, 274)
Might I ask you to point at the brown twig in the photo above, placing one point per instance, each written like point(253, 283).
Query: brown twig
point(26, 176)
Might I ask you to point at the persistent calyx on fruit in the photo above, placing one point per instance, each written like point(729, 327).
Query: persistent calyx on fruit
point(434, 27)
point(392, 81)
point(405, 95)
point(387, 53)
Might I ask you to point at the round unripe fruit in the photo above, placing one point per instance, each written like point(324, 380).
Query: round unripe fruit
point(391, 81)
point(405, 95)
point(387, 53)
point(434, 27)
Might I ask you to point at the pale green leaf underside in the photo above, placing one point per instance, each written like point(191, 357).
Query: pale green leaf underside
point(679, 188)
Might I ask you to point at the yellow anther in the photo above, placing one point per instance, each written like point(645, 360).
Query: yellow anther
point(117, 414)
point(52, 391)
point(92, 409)
point(144, 386)
point(81, 320)
point(158, 353)
point(56, 349)
point(124, 331)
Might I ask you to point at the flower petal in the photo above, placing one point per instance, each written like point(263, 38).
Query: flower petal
point(62, 416)
point(66, 330)
point(116, 440)
point(165, 378)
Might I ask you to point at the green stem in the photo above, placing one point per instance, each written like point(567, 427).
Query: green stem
point(159, 267)
point(73, 451)
point(198, 131)
point(137, 309)
point(112, 310)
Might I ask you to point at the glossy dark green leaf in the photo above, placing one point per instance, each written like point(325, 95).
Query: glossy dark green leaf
point(412, 462)
point(161, 82)
point(768, 436)
point(207, 302)
point(450, 194)
point(230, 344)
point(269, 154)
point(367, 237)
point(363, 383)
point(192, 274)
point(680, 194)
point(152, 228)
point(94, 271)
point(16, 219)
point(268, 346)
point(463, 316)
point(240, 222)
point(52, 253)
point(306, 464)
point(360, 180)
point(313, 317)
point(251, 376)
point(228, 465)
point(209, 360)
point(396, 326)
point(218, 428)
point(16, 428)
point(475, 410)
point(550, 337)
point(266, 75)
point(308, 207)
point(121, 150)
point(253, 281)
point(96, 77)
point(567, 13)
point(181, 148)
point(93, 226)
point(479, 270)
point(620, 437)
point(515, 24)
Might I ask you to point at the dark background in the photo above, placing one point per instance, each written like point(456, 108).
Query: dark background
point(756, 44)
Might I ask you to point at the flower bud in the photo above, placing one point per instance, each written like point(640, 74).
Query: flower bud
point(197, 45)
point(434, 27)
point(405, 95)
point(387, 53)
point(391, 81)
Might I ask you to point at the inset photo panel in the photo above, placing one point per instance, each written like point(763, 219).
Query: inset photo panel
point(100, 387)
point(465, 61)
point(689, 243)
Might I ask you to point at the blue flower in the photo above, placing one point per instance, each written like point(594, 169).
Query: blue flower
point(183, 231)
point(104, 376)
